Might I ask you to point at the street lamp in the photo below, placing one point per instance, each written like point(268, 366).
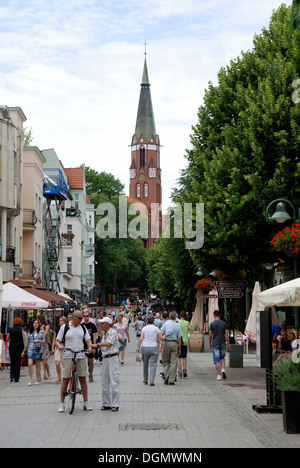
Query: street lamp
point(199, 272)
point(281, 216)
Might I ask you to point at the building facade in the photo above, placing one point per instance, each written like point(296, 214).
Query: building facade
point(11, 191)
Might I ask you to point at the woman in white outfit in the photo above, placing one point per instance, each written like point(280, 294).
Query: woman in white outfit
point(149, 343)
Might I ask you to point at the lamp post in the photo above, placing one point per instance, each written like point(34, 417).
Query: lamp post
point(199, 272)
point(281, 216)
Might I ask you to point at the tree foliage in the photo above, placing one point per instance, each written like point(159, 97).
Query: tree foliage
point(119, 261)
point(245, 150)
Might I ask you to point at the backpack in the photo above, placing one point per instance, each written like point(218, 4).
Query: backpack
point(67, 327)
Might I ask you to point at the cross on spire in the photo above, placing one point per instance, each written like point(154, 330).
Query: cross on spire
point(145, 44)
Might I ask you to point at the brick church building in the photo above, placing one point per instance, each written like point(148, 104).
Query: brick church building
point(145, 171)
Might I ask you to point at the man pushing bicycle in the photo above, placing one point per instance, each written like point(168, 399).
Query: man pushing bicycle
point(72, 336)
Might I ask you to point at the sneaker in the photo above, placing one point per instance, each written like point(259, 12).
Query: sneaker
point(219, 377)
point(184, 373)
point(87, 406)
point(223, 374)
point(180, 375)
point(61, 408)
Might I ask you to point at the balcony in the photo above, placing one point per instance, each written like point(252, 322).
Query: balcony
point(29, 219)
point(90, 278)
point(90, 249)
point(10, 253)
point(28, 269)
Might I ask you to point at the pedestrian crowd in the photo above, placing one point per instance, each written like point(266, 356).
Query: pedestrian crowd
point(160, 337)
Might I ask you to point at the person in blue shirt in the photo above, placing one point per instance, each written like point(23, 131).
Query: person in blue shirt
point(172, 334)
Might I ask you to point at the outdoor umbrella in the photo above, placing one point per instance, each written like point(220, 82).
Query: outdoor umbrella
point(284, 295)
point(198, 314)
point(250, 330)
point(14, 297)
point(213, 304)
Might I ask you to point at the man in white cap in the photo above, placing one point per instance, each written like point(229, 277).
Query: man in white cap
point(109, 344)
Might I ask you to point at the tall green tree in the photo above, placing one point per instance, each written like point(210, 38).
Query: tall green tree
point(245, 150)
point(295, 15)
point(120, 261)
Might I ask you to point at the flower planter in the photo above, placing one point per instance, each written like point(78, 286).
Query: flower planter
point(291, 411)
point(196, 340)
point(289, 253)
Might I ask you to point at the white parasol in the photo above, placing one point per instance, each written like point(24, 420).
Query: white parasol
point(198, 314)
point(14, 297)
point(284, 295)
point(250, 330)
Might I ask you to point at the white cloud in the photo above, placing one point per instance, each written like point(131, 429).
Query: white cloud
point(74, 67)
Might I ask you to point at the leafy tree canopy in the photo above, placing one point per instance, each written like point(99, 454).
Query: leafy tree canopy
point(245, 150)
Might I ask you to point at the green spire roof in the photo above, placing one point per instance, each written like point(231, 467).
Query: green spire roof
point(145, 124)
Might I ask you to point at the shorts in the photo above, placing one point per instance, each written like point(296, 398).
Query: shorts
point(58, 355)
point(219, 352)
point(35, 356)
point(68, 366)
point(183, 353)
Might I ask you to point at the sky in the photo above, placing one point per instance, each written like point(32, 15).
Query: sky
point(75, 68)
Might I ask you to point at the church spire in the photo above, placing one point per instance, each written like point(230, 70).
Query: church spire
point(145, 124)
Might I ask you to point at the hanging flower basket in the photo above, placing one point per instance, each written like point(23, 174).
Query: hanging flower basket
point(288, 240)
point(204, 285)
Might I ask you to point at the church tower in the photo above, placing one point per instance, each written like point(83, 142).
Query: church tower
point(145, 172)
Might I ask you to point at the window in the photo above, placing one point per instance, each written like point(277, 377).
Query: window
point(90, 220)
point(142, 157)
point(146, 190)
point(138, 191)
point(69, 228)
point(69, 265)
point(76, 201)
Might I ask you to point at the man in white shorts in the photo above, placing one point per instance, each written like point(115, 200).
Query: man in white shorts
point(74, 339)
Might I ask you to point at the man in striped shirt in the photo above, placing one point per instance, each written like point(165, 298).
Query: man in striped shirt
point(74, 339)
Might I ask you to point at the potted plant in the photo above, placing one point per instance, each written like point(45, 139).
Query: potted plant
point(68, 237)
point(288, 240)
point(286, 374)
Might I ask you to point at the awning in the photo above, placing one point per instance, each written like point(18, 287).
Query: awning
point(40, 291)
point(14, 297)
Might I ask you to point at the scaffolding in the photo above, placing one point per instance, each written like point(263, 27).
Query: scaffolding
point(55, 192)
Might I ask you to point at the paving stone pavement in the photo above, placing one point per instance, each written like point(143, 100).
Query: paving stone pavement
point(197, 412)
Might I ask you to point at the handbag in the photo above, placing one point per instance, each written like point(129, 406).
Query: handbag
point(139, 357)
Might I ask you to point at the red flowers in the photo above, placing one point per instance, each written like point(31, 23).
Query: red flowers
point(205, 285)
point(288, 238)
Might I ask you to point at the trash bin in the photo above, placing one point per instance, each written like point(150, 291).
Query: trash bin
point(236, 356)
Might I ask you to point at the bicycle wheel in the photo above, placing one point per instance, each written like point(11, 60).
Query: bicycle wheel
point(72, 392)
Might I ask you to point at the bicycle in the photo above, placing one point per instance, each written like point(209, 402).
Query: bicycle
point(74, 387)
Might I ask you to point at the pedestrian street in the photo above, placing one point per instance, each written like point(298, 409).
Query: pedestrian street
point(197, 412)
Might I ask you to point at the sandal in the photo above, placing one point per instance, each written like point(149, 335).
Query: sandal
point(104, 408)
point(115, 408)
